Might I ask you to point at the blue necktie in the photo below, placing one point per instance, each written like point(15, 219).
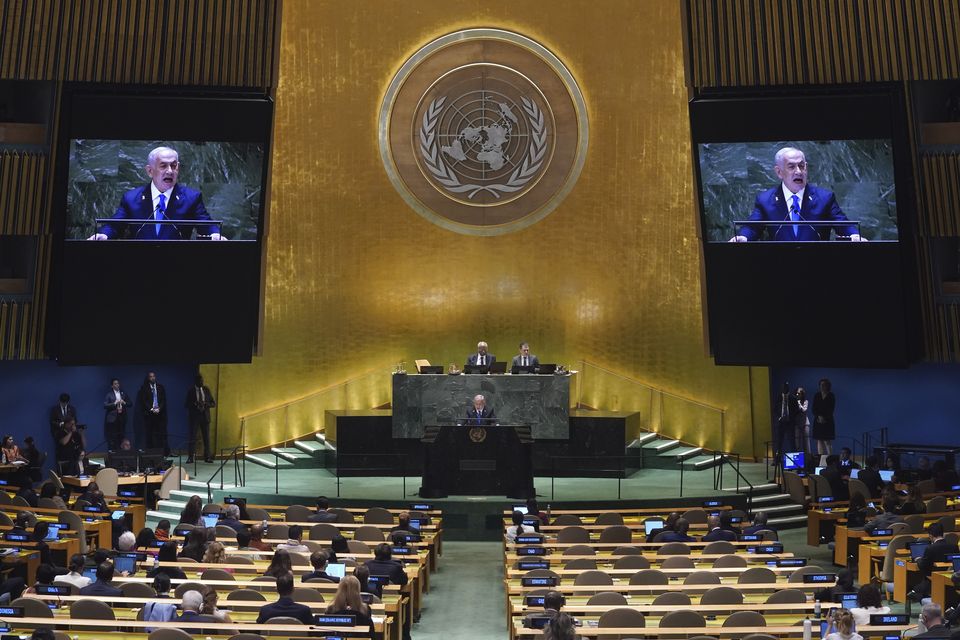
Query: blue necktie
point(161, 209)
point(795, 214)
point(154, 389)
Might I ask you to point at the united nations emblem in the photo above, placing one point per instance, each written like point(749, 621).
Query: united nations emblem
point(483, 131)
point(477, 434)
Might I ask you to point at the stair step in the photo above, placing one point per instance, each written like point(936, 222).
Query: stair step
point(788, 522)
point(683, 453)
point(312, 448)
point(759, 489)
point(268, 460)
point(291, 454)
point(771, 498)
point(782, 509)
point(647, 437)
point(659, 446)
point(701, 462)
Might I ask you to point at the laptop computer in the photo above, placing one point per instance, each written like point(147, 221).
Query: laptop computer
point(917, 549)
point(337, 569)
point(547, 369)
point(126, 564)
point(854, 473)
point(498, 367)
point(650, 525)
point(53, 533)
point(90, 572)
point(476, 368)
point(886, 475)
point(517, 369)
point(210, 520)
point(848, 600)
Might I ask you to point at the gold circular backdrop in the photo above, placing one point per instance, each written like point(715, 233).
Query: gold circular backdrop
point(483, 131)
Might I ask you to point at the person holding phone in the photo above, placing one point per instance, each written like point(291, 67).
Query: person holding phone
point(841, 626)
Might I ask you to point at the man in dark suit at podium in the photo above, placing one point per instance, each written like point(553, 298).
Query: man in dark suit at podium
point(793, 201)
point(480, 413)
point(161, 199)
point(482, 357)
point(525, 358)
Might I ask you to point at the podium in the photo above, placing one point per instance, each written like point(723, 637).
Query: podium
point(486, 460)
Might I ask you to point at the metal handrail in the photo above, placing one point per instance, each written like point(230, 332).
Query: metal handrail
point(724, 458)
point(234, 456)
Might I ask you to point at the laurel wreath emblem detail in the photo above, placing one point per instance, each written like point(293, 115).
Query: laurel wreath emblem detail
point(521, 176)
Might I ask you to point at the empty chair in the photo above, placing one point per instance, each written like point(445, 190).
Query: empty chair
point(90, 609)
point(581, 564)
point(323, 531)
point(616, 533)
point(695, 516)
point(787, 596)
point(171, 481)
point(649, 576)
point(609, 518)
point(226, 533)
point(757, 575)
point(567, 519)
point(857, 486)
point(108, 480)
point(298, 559)
point(246, 636)
point(794, 486)
point(378, 515)
point(281, 620)
point(720, 547)
point(256, 513)
point(683, 618)
point(621, 617)
point(677, 562)
point(901, 528)
point(543, 573)
point(729, 562)
point(948, 523)
point(674, 549)
point(74, 523)
point(915, 522)
point(693, 638)
point(632, 562)
point(722, 595)
point(246, 594)
point(767, 535)
point(277, 531)
point(169, 633)
point(573, 534)
point(216, 574)
point(702, 577)
point(343, 516)
point(937, 504)
point(576, 550)
point(297, 513)
point(927, 486)
point(191, 586)
point(306, 594)
point(627, 550)
point(604, 599)
point(357, 546)
point(593, 578)
point(4, 518)
point(759, 636)
point(368, 533)
point(678, 598)
point(745, 619)
point(33, 608)
point(797, 576)
point(137, 590)
point(5, 497)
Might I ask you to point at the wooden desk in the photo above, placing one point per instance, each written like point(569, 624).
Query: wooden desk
point(137, 627)
point(865, 554)
point(792, 631)
point(905, 575)
point(81, 482)
point(942, 590)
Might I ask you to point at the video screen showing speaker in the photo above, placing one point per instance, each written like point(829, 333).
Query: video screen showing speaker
point(806, 205)
point(164, 190)
point(159, 198)
point(798, 191)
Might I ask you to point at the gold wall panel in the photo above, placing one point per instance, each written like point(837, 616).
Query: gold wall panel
point(356, 280)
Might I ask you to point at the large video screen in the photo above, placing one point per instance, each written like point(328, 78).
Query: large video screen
point(179, 186)
point(160, 201)
point(798, 191)
point(805, 200)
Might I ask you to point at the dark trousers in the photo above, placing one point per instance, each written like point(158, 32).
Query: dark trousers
point(114, 432)
point(156, 428)
point(199, 424)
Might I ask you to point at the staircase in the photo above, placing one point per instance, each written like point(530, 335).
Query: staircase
point(781, 511)
point(170, 508)
point(309, 452)
point(660, 452)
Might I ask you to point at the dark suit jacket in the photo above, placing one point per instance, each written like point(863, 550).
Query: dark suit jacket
point(56, 416)
point(837, 486)
point(936, 552)
point(532, 359)
point(198, 411)
point(322, 516)
point(487, 416)
point(100, 589)
point(137, 204)
point(110, 405)
point(817, 205)
point(236, 525)
point(473, 357)
point(390, 568)
point(319, 574)
point(145, 400)
point(673, 536)
point(285, 606)
point(754, 528)
point(720, 534)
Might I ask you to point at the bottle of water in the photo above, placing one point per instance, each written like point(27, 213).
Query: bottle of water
point(807, 628)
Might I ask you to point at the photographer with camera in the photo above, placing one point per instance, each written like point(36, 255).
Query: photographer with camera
point(71, 448)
